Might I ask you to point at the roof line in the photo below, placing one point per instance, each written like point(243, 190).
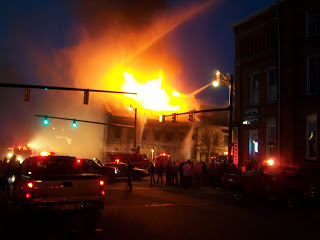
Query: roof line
point(233, 26)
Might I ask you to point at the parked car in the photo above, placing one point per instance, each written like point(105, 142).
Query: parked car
point(121, 170)
point(95, 166)
point(281, 182)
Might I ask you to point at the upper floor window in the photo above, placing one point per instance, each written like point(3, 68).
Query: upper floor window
point(144, 134)
point(130, 134)
point(312, 75)
point(311, 135)
point(170, 135)
point(312, 23)
point(215, 140)
point(205, 139)
point(272, 84)
point(226, 140)
point(157, 134)
point(117, 132)
point(254, 89)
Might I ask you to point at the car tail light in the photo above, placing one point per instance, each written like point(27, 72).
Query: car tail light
point(101, 183)
point(101, 187)
point(29, 190)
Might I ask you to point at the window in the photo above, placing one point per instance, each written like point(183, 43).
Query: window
point(254, 89)
point(144, 134)
point(204, 138)
point(253, 145)
point(225, 140)
point(312, 23)
point(272, 84)
point(169, 136)
point(312, 75)
point(130, 134)
point(271, 137)
point(311, 146)
point(215, 139)
point(157, 134)
point(117, 132)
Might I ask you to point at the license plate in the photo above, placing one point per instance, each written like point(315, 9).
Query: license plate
point(66, 206)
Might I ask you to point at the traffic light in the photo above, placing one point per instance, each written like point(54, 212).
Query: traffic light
point(27, 94)
point(86, 97)
point(74, 124)
point(45, 120)
point(161, 118)
point(191, 116)
point(174, 117)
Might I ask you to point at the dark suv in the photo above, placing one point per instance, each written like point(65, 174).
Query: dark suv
point(95, 166)
point(121, 170)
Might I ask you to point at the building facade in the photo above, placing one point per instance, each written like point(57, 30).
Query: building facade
point(277, 77)
point(197, 141)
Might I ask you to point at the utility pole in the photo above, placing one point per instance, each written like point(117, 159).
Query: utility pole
point(230, 117)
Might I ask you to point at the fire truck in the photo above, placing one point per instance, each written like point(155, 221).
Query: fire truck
point(21, 152)
point(137, 160)
point(162, 158)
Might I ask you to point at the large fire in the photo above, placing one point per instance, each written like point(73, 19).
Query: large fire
point(151, 94)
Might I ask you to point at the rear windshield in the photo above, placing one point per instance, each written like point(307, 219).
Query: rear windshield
point(53, 165)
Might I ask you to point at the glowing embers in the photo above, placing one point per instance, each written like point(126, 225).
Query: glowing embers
point(151, 94)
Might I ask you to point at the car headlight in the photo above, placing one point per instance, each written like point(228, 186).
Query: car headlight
point(116, 170)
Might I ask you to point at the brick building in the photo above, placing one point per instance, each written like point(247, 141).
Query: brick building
point(277, 99)
point(182, 140)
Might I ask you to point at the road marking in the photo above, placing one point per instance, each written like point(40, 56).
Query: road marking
point(172, 204)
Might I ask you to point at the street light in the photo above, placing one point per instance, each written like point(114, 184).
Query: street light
point(228, 80)
point(135, 127)
point(152, 151)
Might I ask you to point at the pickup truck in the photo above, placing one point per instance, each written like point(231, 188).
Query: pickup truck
point(57, 183)
point(281, 182)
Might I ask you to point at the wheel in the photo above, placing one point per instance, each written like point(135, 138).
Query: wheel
point(237, 194)
point(90, 222)
point(139, 177)
point(293, 200)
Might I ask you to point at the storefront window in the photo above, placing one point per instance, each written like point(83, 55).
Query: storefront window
point(311, 145)
point(253, 145)
point(271, 137)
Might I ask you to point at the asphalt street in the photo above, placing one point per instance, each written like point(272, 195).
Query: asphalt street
point(165, 212)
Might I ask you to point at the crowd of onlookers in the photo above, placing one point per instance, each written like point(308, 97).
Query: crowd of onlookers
point(188, 174)
point(7, 168)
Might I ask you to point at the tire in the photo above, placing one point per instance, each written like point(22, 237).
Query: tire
point(138, 177)
point(237, 194)
point(91, 222)
point(293, 200)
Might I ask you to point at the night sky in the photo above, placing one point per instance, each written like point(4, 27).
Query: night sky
point(34, 34)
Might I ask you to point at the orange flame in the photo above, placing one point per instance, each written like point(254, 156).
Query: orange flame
point(152, 94)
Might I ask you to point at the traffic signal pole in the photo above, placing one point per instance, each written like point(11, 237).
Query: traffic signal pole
point(78, 120)
point(85, 90)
